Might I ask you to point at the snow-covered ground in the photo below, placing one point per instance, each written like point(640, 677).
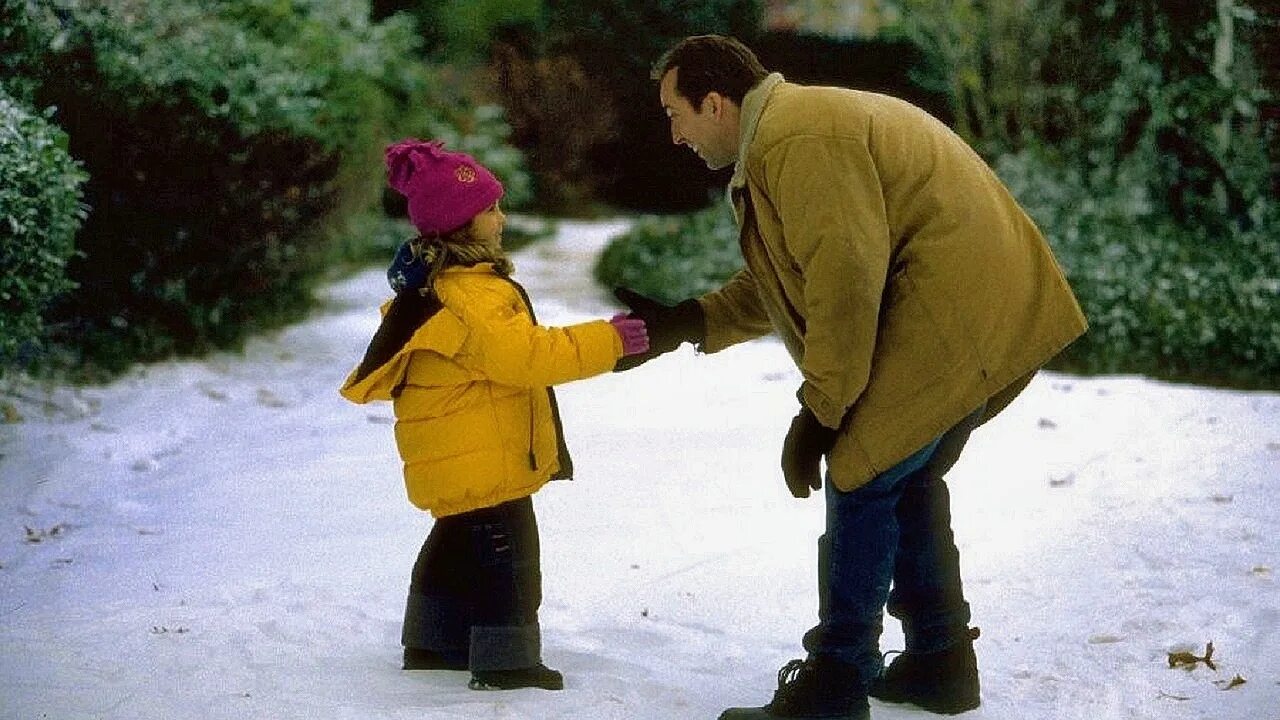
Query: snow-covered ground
point(228, 538)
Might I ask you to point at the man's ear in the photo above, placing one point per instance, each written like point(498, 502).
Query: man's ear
point(714, 103)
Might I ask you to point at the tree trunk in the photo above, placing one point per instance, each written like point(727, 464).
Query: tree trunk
point(1223, 54)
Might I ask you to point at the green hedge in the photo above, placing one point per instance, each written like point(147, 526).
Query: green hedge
point(222, 141)
point(460, 30)
point(40, 212)
point(1196, 302)
point(671, 258)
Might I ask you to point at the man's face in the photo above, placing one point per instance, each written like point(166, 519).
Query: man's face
point(708, 130)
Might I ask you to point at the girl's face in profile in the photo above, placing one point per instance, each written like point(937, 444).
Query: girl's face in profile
point(486, 227)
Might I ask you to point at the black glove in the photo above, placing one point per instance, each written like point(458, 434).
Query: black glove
point(807, 441)
point(408, 311)
point(668, 325)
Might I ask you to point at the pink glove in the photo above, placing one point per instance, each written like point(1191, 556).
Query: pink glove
point(635, 338)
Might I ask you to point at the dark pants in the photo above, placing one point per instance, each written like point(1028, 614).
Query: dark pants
point(895, 530)
point(476, 589)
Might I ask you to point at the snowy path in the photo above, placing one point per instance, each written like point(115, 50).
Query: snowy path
point(229, 539)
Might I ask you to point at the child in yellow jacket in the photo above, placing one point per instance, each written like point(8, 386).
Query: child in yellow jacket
point(470, 371)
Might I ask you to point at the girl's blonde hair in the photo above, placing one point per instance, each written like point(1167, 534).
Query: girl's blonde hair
point(457, 247)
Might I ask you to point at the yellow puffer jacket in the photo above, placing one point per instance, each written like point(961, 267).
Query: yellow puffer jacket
point(476, 421)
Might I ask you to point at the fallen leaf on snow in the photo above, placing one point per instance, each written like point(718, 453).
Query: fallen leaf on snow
point(1189, 660)
point(1234, 682)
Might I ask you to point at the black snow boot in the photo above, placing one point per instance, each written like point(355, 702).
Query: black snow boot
point(820, 687)
point(419, 659)
point(944, 682)
point(538, 676)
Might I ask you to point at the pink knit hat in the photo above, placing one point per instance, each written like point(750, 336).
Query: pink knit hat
point(445, 189)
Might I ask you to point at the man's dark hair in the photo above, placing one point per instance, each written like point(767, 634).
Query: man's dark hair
point(711, 63)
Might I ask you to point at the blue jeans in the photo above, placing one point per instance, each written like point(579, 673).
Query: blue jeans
point(890, 543)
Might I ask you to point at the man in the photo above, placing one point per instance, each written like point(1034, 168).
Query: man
point(917, 299)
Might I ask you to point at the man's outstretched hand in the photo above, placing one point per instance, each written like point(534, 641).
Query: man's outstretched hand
point(668, 325)
point(807, 441)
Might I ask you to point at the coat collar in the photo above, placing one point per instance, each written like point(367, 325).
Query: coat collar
point(749, 119)
point(480, 267)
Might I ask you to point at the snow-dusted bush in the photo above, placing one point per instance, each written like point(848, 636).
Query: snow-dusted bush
point(40, 212)
point(223, 143)
point(673, 257)
point(1182, 301)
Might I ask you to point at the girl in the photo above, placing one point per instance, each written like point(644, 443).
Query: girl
point(469, 370)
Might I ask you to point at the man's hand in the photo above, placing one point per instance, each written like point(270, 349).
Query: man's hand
point(807, 441)
point(668, 325)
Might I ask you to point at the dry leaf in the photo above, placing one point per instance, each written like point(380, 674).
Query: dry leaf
point(1188, 660)
point(1234, 682)
point(10, 413)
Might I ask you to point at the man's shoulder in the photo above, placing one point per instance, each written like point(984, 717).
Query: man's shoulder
point(794, 98)
point(814, 112)
point(826, 113)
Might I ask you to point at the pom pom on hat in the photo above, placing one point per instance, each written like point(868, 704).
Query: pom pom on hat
point(444, 189)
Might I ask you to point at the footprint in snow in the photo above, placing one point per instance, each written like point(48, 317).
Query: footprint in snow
point(266, 398)
point(145, 464)
point(212, 392)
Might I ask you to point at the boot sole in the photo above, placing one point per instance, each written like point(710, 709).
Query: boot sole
point(476, 684)
point(940, 707)
point(763, 714)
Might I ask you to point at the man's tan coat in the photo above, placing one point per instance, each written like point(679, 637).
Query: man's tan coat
point(904, 279)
